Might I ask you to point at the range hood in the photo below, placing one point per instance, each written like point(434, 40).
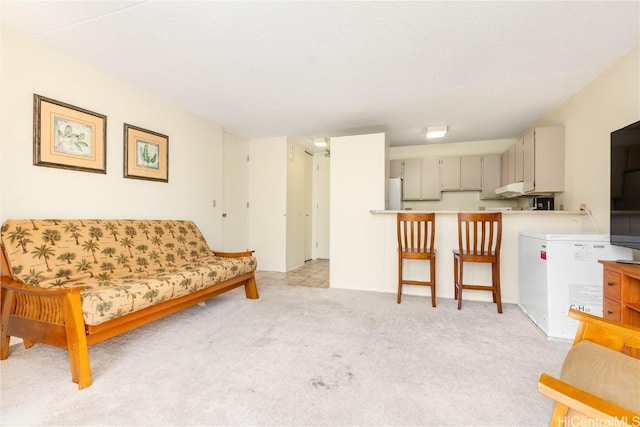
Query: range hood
point(511, 190)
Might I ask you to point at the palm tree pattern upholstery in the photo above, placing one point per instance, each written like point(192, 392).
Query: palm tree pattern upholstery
point(124, 265)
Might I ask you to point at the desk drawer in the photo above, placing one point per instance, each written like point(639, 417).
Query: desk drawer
point(611, 309)
point(611, 285)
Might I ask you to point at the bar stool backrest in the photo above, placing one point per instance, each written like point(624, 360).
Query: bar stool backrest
point(416, 233)
point(479, 235)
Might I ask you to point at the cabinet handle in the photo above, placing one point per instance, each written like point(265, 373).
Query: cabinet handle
point(610, 283)
point(609, 312)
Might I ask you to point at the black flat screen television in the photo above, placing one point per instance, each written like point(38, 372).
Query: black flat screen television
point(625, 187)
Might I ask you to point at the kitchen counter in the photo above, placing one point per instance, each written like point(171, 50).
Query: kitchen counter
point(375, 268)
point(504, 212)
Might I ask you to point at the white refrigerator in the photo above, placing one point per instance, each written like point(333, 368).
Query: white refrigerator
point(395, 194)
point(559, 271)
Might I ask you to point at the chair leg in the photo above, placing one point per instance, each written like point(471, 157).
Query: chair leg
point(432, 264)
point(399, 298)
point(455, 277)
point(496, 275)
point(460, 283)
point(493, 282)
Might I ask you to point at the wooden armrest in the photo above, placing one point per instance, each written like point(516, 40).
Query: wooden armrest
point(10, 284)
point(585, 403)
point(607, 333)
point(233, 254)
point(46, 315)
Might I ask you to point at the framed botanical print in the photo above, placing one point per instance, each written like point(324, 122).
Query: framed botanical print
point(68, 137)
point(146, 154)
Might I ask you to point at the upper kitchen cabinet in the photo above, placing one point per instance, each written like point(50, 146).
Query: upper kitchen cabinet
point(547, 161)
point(412, 179)
point(542, 155)
point(518, 165)
point(528, 153)
point(491, 175)
point(504, 167)
point(420, 177)
point(395, 169)
point(507, 163)
point(431, 178)
point(461, 173)
point(450, 173)
point(471, 173)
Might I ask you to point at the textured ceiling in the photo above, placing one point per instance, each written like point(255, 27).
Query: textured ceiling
point(488, 70)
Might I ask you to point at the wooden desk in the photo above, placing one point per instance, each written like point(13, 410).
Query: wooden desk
point(621, 292)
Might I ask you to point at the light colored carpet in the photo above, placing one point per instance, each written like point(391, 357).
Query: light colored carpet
point(298, 356)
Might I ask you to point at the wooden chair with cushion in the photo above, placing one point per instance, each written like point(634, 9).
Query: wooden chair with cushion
point(599, 383)
point(479, 238)
point(416, 240)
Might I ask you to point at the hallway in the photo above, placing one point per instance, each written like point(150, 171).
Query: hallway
point(314, 274)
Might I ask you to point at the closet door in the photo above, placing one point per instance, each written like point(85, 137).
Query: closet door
point(233, 206)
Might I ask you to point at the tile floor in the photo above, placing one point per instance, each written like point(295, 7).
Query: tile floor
point(313, 273)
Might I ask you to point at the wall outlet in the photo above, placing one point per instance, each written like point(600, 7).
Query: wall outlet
point(214, 203)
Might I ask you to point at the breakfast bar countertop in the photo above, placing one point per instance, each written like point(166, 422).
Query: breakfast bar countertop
point(505, 212)
point(381, 264)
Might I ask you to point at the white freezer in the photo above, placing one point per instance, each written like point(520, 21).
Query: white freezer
point(558, 271)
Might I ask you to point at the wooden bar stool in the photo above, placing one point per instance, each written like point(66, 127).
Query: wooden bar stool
point(479, 237)
point(416, 237)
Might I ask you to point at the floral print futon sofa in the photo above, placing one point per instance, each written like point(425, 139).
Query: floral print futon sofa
point(75, 282)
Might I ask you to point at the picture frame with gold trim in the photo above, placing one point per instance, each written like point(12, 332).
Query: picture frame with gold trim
point(146, 154)
point(68, 137)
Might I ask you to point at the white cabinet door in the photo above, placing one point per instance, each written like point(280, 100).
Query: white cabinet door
point(431, 178)
point(528, 161)
point(471, 173)
point(395, 168)
point(412, 179)
point(491, 172)
point(504, 168)
point(549, 159)
point(511, 166)
point(519, 160)
point(461, 173)
point(450, 173)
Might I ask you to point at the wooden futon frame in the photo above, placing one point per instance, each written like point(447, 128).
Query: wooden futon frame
point(54, 316)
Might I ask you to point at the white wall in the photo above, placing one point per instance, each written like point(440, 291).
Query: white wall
point(321, 202)
point(195, 146)
point(357, 181)
point(608, 103)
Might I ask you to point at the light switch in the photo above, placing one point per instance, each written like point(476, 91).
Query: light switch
point(213, 203)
